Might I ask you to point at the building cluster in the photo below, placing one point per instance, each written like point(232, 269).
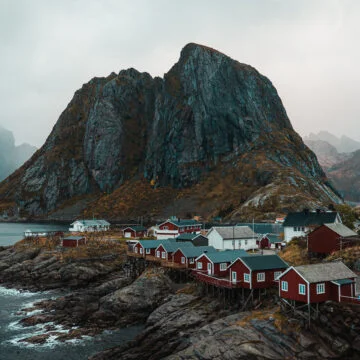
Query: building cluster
point(223, 256)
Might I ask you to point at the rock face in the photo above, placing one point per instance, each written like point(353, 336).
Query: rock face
point(210, 120)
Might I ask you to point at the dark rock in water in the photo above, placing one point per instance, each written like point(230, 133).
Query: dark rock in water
point(211, 121)
point(37, 339)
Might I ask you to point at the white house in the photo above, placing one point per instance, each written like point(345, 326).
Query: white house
point(300, 223)
point(232, 237)
point(89, 225)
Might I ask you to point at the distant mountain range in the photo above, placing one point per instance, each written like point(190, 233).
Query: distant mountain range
point(343, 144)
point(210, 138)
point(11, 156)
point(340, 159)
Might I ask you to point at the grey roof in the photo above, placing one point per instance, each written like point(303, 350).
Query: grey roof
point(73, 238)
point(234, 232)
point(226, 256)
point(193, 252)
point(309, 218)
point(93, 222)
point(341, 229)
point(325, 272)
point(264, 262)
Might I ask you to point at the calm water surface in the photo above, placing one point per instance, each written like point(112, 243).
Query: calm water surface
point(10, 233)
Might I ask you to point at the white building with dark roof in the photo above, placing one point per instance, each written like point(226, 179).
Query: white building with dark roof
point(232, 237)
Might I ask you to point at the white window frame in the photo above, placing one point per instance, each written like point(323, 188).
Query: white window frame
point(223, 266)
point(183, 259)
point(302, 289)
point(158, 253)
point(147, 251)
point(246, 277)
point(246, 242)
point(165, 228)
point(136, 249)
point(260, 277)
point(163, 254)
point(320, 288)
point(276, 274)
point(199, 265)
point(284, 286)
point(191, 260)
point(141, 250)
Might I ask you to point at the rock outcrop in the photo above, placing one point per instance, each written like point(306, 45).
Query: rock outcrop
point(212, 134)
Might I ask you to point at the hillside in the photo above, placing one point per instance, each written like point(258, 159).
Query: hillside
point(211, 137)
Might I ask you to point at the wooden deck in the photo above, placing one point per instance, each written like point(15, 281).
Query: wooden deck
point(216, 281)
point(173, 265)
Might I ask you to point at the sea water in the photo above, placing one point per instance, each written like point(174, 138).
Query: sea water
point(11, 332)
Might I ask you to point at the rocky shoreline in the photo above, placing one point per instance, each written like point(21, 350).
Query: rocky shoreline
point(179, 321)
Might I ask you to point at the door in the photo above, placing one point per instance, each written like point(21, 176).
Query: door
point(127, 234)
point(233, 276)
point(209, 268)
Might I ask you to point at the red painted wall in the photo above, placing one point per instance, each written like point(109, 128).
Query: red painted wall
point(177, 256)
point(293, 280)
point(204, 260)
point(182, 229)
point(138, 246)
point(240, 269)
point(328, 295)
point(169, 225)
point(323, 240)
point(73, 243)
point(264, 243)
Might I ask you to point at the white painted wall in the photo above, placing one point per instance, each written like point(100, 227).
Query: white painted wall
point(218, 243)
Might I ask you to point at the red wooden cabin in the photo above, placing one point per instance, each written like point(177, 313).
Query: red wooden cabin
point(186, 255)
point(134, 231)
point(146, 247)
point(269, 241)
point(167, 247)
point(328, 238)
point(317, 283)
point(256, 271)
point(181, 226)
point(216, 263)
point(73, 241)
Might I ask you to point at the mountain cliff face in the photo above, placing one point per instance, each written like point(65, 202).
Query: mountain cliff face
point(212, 137)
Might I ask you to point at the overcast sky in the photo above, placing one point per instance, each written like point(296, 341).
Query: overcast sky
point(309, 49)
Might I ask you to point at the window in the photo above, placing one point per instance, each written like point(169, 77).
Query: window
point(247, 278)
point(147, 251)
point(223, 266)
point(320, 288)
point(303, 229)
point(182, 260)
point(158, 253)
point(191, 261)
point(276, 274)
point(260, 277)
point(302, 289)
point(295, 228)
point(136, 249)
point(165, 228)
point(245, 242)
point(199, 265)
point(141, 250)
point(284, 286)
point(163, 254)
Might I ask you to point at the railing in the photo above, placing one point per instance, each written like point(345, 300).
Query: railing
point(173, 265)
point(350, 299)
point(212, 280)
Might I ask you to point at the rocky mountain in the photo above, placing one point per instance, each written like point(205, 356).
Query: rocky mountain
point(346, 176)
point(11, 156)
point(326, 153)
point(343, 169)
point(211, 137)
point(343, 144)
